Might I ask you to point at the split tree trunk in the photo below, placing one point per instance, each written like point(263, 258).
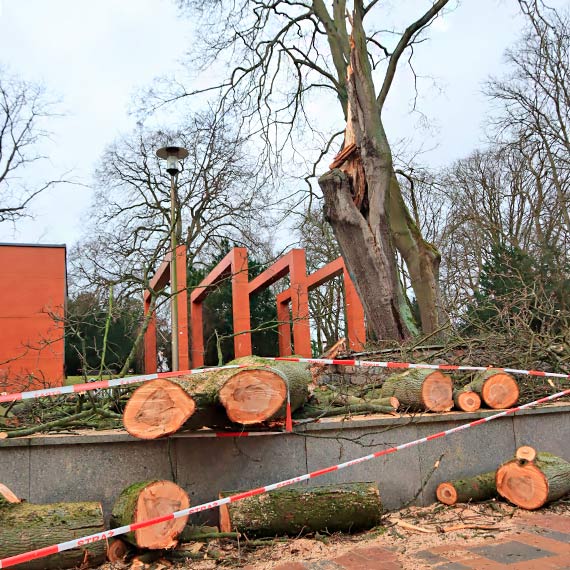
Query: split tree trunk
point(249, 395)
point(147, 500)
point(479, 488)
point(466, 400)
point(497, 389)
point(348, 507)
point(532, 484)
point(26, 526)
point(420, 390)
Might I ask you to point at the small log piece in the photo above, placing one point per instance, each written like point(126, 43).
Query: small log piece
point(479, 488)
point(147, 500)
point(26, 526)
point(420, 390)
point(348, 507)
point(497, 389)
point(531, 484)
point(466, 400)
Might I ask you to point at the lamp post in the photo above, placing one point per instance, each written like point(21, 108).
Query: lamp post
point(172, 155)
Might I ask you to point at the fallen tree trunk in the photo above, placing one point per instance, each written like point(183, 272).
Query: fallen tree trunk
point(26, 526)
point(466, 400)
point(348, 507)
point(420, 390)
point(479, 488)
point(254, 393)
point(531, 484)
point(497, 389)
point(147, 500)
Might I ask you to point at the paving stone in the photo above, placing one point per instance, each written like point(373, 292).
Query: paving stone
point(291, 566)
point(324, 565)
point(553, 534)
point(511, 552)
point(453, 566)
point(429, 556)
point(373, 558)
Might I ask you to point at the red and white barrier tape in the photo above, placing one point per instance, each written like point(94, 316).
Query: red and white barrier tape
point(48, 550)
point(103, 384)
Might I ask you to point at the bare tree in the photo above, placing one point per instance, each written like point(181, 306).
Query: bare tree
point(280, 52)
point(23, 109)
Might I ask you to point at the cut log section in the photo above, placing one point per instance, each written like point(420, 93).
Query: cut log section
point(420, 390)
point(531, 484)
point(252, 394)
point(147, 500)
point(479, 488)
point(26, 526)
point(466, 400)
point(349, 507)
point(497, 389)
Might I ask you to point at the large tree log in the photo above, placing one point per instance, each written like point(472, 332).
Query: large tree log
point(26, 526)
point(255, 393)
point(147, 500)
point(347, 507)
point(497, 389)
point(420, 390)
point(479, 488)
point(532, 484)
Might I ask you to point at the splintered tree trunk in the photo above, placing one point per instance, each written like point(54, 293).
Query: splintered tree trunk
point(255, 393)
point(147, 500)
point(25, 526)
point(466, 400)
point(347, 507)
point(420, 390)
point(479, 488)
point(532, 484)
point(497, 389)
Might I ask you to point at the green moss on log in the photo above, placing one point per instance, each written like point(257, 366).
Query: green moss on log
point(479, 488)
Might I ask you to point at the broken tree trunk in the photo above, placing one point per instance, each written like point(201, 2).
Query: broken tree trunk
point(420, 390)
point(26, 526)
point(466, 400)
point(530, 484)
point(497, 389)
point(348, 507)
point(479, 488)
point(147, 500)
point(252, 394)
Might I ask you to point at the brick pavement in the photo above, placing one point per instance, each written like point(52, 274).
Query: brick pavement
point(537, 542)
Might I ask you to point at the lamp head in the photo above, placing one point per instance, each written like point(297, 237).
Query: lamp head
point(172, 154)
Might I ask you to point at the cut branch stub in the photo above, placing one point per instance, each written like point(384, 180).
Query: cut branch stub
point(7, 495)
point(478, 488)
point(466, 400)
point(147, 500)
point(532, 484)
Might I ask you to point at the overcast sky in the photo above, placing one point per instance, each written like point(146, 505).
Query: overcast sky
point(94, 56)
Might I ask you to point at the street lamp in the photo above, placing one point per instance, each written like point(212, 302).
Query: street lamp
point(172, 155)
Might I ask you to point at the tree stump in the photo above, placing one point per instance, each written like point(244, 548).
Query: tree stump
point(26, 526)
point(497, 389)
point(531, 484)
point(479, 488)
point(420, 390)
point(348, 507)
point(466, 400)
point(147, 500)
point(255, 393)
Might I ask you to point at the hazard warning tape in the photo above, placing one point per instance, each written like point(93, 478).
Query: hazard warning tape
point(85, 540)
point(104, 384)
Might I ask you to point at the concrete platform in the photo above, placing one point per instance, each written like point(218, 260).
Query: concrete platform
point(98, 465)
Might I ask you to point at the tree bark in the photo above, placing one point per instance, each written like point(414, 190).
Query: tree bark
point(532, 484)
point(420, 390)
point(348, 507)
point(479, 488)
point(497, 389)
point(26, 526)
point(146, 500)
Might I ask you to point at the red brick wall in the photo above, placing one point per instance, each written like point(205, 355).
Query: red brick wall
point(32, 305)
